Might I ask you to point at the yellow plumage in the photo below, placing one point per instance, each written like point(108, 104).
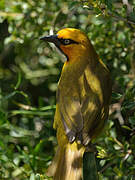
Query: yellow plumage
point(83, 97)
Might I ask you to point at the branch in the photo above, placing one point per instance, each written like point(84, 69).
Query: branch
point(121, 18)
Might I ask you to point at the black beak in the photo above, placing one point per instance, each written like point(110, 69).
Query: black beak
point(52, 38)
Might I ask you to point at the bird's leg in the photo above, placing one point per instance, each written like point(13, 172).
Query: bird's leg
point(71, 135)
point(79, 138)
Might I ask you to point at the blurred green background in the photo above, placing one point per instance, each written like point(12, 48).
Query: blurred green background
point(29, 72)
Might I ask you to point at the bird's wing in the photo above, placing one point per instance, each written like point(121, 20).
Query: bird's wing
point(71, 116)
point(79, 119)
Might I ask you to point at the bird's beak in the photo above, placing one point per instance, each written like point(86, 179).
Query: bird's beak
point(52, 38)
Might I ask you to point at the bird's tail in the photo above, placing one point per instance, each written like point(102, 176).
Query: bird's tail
point(67, 163)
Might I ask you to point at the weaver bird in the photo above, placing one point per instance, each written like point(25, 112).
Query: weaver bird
point(83, 97)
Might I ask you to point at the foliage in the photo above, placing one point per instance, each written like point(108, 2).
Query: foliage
point(30, 69)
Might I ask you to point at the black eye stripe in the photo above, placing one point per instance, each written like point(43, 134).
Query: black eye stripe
point(67, 41)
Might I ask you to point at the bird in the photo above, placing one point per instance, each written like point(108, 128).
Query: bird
point(82, 102)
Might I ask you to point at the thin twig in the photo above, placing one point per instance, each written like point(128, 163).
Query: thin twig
point(106, 166)
point(121, 18)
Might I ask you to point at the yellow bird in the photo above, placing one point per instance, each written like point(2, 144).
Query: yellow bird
point(83, 97)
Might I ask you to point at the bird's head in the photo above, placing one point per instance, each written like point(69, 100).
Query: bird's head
point(71, 42)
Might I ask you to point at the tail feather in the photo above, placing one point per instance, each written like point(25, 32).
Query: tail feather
point(67, 163)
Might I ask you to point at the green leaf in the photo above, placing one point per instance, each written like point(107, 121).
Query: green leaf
point(129, 105)
point(3, 117)
point(126, 127)
point(131, 16)
point(39, 146)
point(2, 4)
point(109, 4)
point(116, 96)
point(132, 120)
point(18, 81)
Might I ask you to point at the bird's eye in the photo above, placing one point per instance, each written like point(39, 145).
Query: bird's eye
point(66, 41)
